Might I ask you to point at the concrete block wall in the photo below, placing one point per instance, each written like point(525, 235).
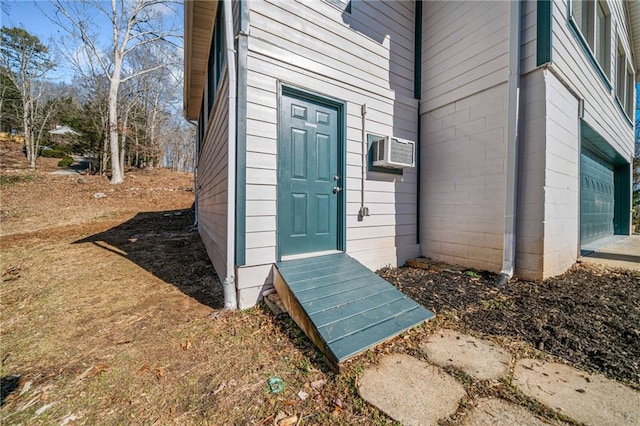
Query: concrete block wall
point(463, 169)
point(562, 179)
point(548, 192)
point(531, 171)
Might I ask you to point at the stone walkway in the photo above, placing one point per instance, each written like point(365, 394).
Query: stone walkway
point(415, 392)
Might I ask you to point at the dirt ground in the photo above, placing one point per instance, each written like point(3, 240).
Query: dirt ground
point(111, 313)
point(589, 316)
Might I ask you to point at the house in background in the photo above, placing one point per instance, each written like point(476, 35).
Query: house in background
point(63, 135)
point(521, 113)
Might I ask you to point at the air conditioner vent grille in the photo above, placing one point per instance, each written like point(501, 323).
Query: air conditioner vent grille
point(393, 152)
point(401, 152)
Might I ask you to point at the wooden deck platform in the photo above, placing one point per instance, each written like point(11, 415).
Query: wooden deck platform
point(342, 306)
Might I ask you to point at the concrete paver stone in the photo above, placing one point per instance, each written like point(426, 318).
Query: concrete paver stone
point(588, 398)
point(496, 412)
point(479, 358)
point(411, 391)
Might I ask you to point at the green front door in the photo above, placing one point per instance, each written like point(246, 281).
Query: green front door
point(597, 197)
point(309, 183)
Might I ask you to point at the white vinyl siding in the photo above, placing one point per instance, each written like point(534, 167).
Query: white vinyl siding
point(212, 182)
point(528, 52)
point(344, 5)
point(575, 67)
point(593, 20)
point(365, 56)
point(465, 48)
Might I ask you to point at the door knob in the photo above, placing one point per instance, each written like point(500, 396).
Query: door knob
point(336, 189)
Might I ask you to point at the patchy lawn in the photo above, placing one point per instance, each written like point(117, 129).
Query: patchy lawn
point(110, 313)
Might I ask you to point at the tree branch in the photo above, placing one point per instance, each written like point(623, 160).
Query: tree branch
point(78, 30)
point(145, 71)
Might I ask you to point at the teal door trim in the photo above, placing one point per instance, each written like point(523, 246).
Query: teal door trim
point(622, 209)
point(544, 32)
point(290, 90)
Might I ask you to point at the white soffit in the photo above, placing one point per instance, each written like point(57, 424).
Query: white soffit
point(199, 18)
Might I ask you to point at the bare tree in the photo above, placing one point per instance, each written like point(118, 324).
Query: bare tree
point(26, 61)
point(95, 104)
point(158, 95)
point(179, 153)
point(133, 24)
point(94, 87)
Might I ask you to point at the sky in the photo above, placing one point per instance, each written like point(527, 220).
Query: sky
point(32, 16)
point(25, 14)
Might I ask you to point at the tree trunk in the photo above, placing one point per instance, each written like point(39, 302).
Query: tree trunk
point(33, 153)
point(137, 154)
point(117, 176)
point(105, 155)
point(152, 133)
point(122, 154)
point(123, 143)
point(28, 137)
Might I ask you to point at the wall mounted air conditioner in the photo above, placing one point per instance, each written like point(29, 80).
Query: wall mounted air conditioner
point(393, 152)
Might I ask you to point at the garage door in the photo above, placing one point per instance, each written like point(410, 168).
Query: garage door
point(596, 197)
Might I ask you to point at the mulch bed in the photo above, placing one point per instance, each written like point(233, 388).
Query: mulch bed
point(590, 316)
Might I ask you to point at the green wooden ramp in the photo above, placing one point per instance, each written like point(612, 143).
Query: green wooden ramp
point(342, 306)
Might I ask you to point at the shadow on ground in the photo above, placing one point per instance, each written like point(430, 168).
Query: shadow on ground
point(615, 256)
point(166, 245)
point(8, 384)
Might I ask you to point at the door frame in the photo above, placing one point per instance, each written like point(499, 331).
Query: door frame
point(292, 90)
